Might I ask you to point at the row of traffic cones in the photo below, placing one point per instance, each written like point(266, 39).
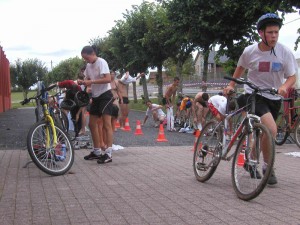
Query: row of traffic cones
point(138, 131)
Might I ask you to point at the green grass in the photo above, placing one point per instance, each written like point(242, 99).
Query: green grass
point(140, 105)
point(17, 97)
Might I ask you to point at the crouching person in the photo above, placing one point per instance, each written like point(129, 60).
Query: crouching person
point(157, 113)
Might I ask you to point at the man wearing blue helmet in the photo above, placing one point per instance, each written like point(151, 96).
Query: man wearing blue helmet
point(269, 64)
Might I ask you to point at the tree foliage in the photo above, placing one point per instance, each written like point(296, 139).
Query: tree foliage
point(25, 74)
point(66, 70)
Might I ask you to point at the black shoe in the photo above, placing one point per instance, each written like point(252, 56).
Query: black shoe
point(252, 170)
point(272, 178)
point(104, 159)
point(92, 156)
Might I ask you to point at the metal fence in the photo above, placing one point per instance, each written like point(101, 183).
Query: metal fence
point(5, 92)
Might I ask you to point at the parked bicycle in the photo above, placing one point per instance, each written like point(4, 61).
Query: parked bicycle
point(48, 144)
point(57, 113)
point(249, 159)
point(288, 121)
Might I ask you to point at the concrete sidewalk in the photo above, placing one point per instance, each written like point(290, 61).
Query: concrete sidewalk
point(143, 185)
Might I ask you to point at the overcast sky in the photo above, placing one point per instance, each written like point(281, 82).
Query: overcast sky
point(55, 30)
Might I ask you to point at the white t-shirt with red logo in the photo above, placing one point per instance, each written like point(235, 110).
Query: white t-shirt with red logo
point(267, 70)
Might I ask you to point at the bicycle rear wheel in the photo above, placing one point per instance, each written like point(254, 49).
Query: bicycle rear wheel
point(251, 167)
point(207, 153)
point(297, 133)
point(282, 129)
point(62, 120)
point(56, 159)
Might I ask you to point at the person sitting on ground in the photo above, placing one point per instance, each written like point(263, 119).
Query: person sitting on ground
point(157, 113)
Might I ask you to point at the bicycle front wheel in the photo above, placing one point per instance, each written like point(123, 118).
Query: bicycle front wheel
point(282, 129)
point(52, 158)
point(207, 152)
point(252, 164)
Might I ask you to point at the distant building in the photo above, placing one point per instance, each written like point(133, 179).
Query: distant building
point(152, 77)
point(213, 67)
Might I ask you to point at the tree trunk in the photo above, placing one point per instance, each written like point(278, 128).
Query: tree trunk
point(204, 79)
point(159, 81)
point(179, 75)
point(145, 90)
point(134, 92)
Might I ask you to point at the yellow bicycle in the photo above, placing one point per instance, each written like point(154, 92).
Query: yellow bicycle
point(49, 146)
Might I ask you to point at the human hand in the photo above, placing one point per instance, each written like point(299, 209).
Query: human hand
point(229, 89)
point(282, 91)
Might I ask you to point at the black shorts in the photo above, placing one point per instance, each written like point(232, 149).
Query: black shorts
point(203, 104)
point(263, 105)
point(115, 111)
point(125, 100)
point(102, 104)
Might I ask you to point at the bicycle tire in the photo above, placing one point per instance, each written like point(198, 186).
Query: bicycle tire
point(62, 120)
point(206, 159)
point(297, 133)
point(282, 129)
point(51, 161)
point(246, 164)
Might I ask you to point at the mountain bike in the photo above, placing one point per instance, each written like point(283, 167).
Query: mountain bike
point(288, 122)
point(254, 148)
point(48, 145)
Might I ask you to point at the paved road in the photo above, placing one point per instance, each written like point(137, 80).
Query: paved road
point(15, 123)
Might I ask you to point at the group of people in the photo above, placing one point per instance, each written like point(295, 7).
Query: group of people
point(268, 64)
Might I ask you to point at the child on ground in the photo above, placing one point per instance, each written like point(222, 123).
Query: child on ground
point(157, 114)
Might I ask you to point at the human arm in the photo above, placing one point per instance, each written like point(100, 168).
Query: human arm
point(104, 80)
point(145, 119)
point(239, 71)
point(290, 81)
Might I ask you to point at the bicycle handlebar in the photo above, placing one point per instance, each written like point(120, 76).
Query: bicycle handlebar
point(272, 91)
point(27, 100)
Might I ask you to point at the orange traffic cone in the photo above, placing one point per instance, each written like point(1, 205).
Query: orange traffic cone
point(117, 124)
point(161, 134)
point(241, 159)
point(138, 130)
point(196, 134)
point(127, 127)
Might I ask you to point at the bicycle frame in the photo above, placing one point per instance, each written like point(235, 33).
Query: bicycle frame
point(49, 119)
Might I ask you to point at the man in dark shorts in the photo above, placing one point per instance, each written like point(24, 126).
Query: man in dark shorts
point(122, 85)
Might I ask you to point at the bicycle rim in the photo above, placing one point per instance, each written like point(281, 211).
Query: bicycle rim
point(250, 162)
point(297, 133)
point(207, 153)
point(52, 160)
point(282, 130)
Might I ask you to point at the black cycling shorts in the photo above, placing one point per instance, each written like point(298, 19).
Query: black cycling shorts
point(263, 105)
point(102, 104)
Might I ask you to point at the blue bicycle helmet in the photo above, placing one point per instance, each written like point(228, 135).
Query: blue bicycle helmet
point(269, 18)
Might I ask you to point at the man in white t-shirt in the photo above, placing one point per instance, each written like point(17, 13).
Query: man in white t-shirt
point(157, 113)
point(270, 65)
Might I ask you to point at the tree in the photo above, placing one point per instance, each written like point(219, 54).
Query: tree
point(26, 74)
point(66, 70)
point(148, 34)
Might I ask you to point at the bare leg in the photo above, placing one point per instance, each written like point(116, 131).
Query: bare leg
point(107, 129)
point(93, 125)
